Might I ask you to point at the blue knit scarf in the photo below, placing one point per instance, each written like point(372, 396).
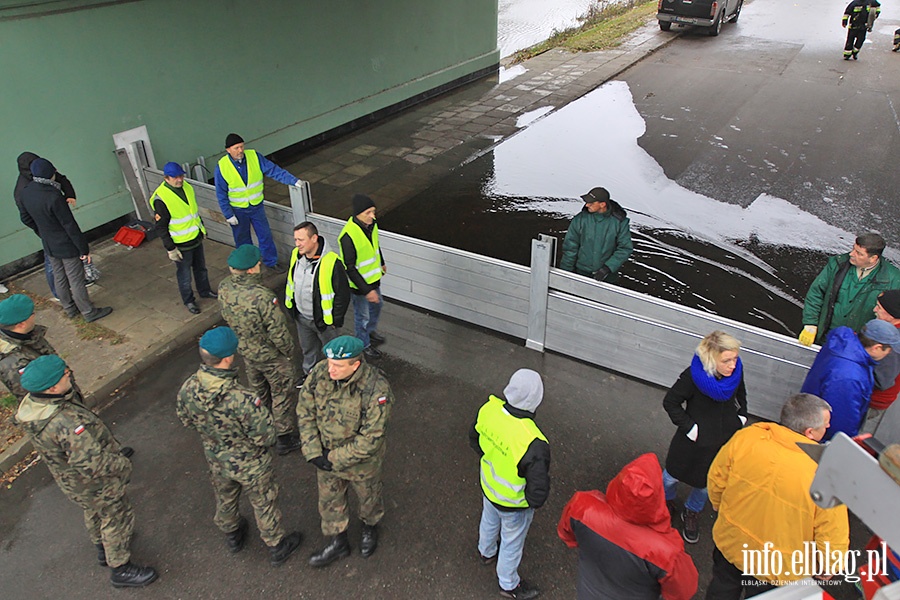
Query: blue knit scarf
point(719, 389)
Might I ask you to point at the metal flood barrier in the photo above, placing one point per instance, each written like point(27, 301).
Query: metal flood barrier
point(602, 324)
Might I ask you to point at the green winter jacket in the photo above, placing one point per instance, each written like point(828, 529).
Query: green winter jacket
point(595, 240)
point(855, 300)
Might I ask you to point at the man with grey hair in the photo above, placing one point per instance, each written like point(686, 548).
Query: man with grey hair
point(759, 484)
point(515, 477)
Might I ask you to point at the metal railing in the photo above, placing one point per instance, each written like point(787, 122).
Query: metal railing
point(551, 309)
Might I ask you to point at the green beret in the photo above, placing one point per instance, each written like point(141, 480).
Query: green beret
point(221, 342)
point(243, 257)
point(345, 346)
point(15, 309)
point(43, 373)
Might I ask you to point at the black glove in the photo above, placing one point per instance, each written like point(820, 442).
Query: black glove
point(321, 462)
point(126, 451)
point(601, 273)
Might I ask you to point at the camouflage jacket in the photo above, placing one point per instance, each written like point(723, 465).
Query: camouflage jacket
point(252, 311)
point(15, 354)
point(346, 417)
point(80, 451)
point(235, 426)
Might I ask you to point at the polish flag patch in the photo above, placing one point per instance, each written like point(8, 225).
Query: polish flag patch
point(257, 402)
point(22, 370)
point(382, 400)
point(275, 301)
point(79, 430)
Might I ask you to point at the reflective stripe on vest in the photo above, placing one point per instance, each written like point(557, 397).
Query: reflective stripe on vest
point(185, 223)
point(368, 254)
point(504, 439)
point(324, 272)
point(240, 194)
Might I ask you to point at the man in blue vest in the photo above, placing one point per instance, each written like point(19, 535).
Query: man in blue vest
point(181, 230)
point(515, 477)
point(239, 189)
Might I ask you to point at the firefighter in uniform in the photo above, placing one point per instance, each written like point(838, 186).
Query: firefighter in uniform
point(859, 16)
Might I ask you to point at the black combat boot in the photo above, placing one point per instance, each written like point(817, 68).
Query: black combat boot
point(285, 548)
point(235, 539)
point(337, 548)
point(132, 575)
point(101, 555)
point(287, 443)
point(369, 540)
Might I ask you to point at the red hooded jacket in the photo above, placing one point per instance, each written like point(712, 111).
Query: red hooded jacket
point(628, 549)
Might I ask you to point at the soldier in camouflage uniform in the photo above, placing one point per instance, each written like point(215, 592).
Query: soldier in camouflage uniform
point(252, 311)
point(342, 413)
point(237, 432)
point(85, 460)
point(21, 341)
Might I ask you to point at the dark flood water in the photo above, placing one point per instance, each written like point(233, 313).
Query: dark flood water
point(689, 249)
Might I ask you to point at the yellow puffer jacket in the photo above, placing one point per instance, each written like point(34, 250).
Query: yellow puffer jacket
point(759, 482)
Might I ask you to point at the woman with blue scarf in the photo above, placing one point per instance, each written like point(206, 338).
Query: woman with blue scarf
point(708, 404)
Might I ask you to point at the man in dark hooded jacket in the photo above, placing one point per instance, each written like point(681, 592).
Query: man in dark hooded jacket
point(24, 162)
point(44, 210)
point(598, 241)
point(515, 477)
point(628, 549)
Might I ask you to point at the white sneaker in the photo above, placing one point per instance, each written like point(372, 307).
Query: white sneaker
point(3, 289)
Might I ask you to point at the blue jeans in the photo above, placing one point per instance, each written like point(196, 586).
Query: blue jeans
point(365, 316)
point(192, 261)
point(510, 527)
point(695, 502)
point(48, 271)
point(255, 216)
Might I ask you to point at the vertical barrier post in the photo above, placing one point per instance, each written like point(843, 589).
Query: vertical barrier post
point(542, 252)
point(301, 202)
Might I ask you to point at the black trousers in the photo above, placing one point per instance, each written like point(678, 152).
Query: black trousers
point(855, 40)
point(728, 581)
point(193, 261)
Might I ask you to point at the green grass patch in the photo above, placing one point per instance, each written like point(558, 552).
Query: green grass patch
point(8, 401)
point(602, 28)
point(95, 331)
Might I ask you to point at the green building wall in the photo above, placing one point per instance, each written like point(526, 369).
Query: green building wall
point(275, 71)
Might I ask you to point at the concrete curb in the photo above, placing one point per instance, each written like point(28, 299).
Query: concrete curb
point(108, 393)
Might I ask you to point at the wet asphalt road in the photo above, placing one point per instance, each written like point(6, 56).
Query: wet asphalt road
point(441, 372)
point(771, 107)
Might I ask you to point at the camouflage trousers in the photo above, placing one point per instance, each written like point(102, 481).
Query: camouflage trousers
point(333, 507)
point(274, 383)
point(109, 520)
point(261, 490)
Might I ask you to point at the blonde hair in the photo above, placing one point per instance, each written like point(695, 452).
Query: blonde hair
point(712, 346)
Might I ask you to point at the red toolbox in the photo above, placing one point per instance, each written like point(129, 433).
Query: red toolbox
point(130, 237)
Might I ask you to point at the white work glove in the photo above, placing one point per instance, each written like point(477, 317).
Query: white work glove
point(232, 221)
point(692, 434)
point(175, 255)
point(808, 335)
point(743, 420)
point(298, 184)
